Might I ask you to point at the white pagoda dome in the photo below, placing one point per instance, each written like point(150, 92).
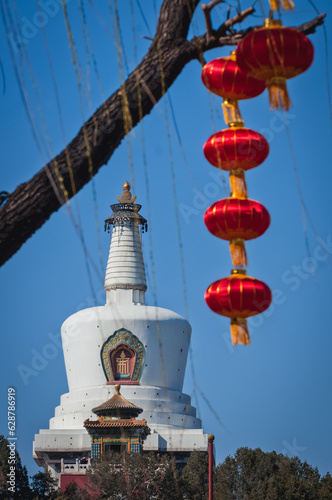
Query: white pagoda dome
point(142, 348)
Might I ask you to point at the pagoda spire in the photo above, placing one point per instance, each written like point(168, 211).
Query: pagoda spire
point(125, 279)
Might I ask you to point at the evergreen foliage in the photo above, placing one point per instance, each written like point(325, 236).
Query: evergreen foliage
point(256, 475)
point(7, 460)
point(134, 476)
point(248, 475)
point(42, 485)
point(194, 479)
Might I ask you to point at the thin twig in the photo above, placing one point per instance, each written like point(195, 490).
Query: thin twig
point(236, 19)
point(207, 16)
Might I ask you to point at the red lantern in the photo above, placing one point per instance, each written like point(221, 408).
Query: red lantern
point(274, 54)
point(236, 149)
point(238, 297)
point(237, 220)
point(223, 77)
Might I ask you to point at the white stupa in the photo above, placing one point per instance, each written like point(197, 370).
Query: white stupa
point(125, 342)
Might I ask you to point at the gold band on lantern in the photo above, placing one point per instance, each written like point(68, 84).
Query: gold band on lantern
point(237, 182)
point(231, 111)
point(239, 271)
point(238, 252)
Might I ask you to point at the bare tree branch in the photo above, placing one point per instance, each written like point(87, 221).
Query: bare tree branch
point(33, 202)
point(207, 16)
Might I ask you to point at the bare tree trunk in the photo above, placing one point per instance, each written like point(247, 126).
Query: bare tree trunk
point(34, 201)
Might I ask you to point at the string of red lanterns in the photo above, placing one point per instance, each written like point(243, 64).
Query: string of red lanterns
point(237, 218)
point(266, 57)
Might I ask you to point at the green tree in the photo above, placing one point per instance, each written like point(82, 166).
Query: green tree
point(74, 492)
point(254, 474)
point(194, 481)
point(44, 486)
point(21, 489)
point(325, 491)
point(132, 477)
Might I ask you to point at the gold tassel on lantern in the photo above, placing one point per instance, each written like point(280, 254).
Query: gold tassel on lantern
point(285, 4)
point(237, 182)
point(239, 331)
point(232, 115)
point(278, 94)
point(238, 252)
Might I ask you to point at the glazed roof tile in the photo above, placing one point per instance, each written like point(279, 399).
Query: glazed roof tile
point(115, 423)
point(117, 402)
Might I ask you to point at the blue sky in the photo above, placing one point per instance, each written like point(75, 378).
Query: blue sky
point(274, 394)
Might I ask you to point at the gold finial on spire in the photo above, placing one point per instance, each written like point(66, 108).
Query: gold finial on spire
point(126, 195)
point(117, 389)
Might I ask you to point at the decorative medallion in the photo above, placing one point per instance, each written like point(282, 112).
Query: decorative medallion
point(122, 356)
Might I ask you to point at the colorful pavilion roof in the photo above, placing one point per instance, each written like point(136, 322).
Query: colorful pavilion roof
point(114, 423)
point(117, 406)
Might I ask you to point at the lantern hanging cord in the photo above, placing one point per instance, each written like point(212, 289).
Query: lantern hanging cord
point(101, 20)
point(304, 209)
point(118, 36)
point(5, 9)
point(49, 150)
point(145, 166)
point(35, 130)
point(122, 61)
point(213, 411)
point(77, 225)
point(144, 159)
point(262, 7)
point(191, 11)
point(89, 54)
point(192, 366)
point(178, 136)
point(59, 110)
point(79, 81)
point(143, 16)
point(175, 201)
point(133, 30)
point(213, 107)
point(328, 87)
point(48, 146)
point(3, 78)
point(19, 74)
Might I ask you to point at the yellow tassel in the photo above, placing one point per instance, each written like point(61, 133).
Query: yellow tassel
point(237, 182)
point(288, 4)
point(239, 331)
point(238, 252)
point(278, 94)
point(285, 4)
point(274, 5)
point(231, 111)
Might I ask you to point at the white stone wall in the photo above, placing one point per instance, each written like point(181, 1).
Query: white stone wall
point(164, 334)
